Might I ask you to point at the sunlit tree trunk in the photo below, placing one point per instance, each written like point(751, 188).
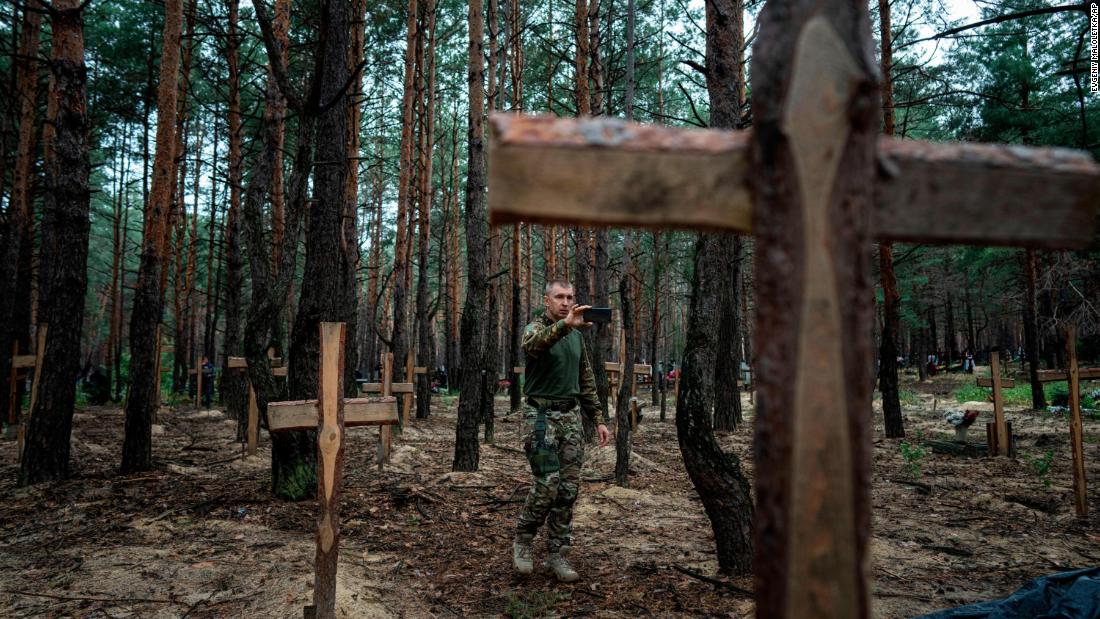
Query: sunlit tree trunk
point(137, 446)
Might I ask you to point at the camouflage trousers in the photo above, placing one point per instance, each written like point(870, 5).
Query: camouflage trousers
point(552, 495)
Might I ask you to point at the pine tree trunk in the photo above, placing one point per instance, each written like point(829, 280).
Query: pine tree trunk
point(723, 75)
point(891, 315)
point(137, 447)
point(624, 429)
point(399, 339)
point(17, 239)
point(425, 353)
point(1031, 332)
point(716, 476)
point(65, 226)
point(233, 386)
point(601, 352)
point(327, 261)
point(473, 315)
point(727, 397)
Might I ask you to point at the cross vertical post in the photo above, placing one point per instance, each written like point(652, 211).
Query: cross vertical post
point(1001, 430)
point(330, 414)
point(385, 434)
point(330, 464)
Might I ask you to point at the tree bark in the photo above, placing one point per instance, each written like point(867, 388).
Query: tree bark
point(723, 59)
point(65, 226)
point(1031, 332)
point(891, 315)
point(234, 389)
point(398, 338)
point(327, 261)
point(425, 354)
point(716, 476)
point(624, 429)
point(473, 314)
point(17, 238)
point(137, 447)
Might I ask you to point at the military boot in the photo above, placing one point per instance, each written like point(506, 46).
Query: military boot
point(558, 564)
point(521, 554)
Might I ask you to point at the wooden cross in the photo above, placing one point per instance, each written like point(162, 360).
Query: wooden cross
point(25, 362)
point(1000, 439)
point(329, 414)
point(816, 186)
point(253, 431)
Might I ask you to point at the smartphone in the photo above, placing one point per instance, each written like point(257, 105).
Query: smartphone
point(598, 314)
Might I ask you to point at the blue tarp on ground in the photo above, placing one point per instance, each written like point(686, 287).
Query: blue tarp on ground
point(1068, 595)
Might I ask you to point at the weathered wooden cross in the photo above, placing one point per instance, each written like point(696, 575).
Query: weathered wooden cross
point(1073, 375)
point(252, 431)
point(816, 185)
point(387, 388)
point(25, 362)
point(329, 414)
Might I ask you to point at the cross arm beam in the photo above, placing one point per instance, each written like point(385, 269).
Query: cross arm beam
point(607, 172)
point(302, 414)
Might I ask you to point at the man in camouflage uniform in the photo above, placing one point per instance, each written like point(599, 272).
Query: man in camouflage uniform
point(557, 379)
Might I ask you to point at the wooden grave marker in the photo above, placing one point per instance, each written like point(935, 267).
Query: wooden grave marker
point(330, 414)
point(26, 362)
point(1000, 441)
point(816, 185)
point(253, 430)
point(388, 388)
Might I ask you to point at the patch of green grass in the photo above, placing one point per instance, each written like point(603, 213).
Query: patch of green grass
point(531, 604)
point(908, 398)
point(1020, 395)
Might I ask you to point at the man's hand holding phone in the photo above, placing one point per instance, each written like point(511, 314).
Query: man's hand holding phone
point(575, 319)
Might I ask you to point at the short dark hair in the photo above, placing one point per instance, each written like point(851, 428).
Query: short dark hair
point(564, 283)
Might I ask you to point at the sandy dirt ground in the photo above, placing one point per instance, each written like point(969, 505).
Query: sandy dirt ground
point(200, 535)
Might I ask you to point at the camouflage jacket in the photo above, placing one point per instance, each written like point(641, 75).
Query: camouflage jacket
point(558, 366)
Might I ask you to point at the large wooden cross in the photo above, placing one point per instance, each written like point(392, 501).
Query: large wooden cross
point(329, 414)
point(816, 185)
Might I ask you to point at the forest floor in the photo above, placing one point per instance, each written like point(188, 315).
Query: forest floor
point(200, 535)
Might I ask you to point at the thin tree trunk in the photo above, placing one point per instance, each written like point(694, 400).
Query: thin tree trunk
point(473, 315)
point(425, 354)
point(137, 448)
point(233, 387)
point(399, 339)
point(65, 226)
point(717, 476)
point(723, 75)
point(891, 315)
point(623, 401)
point(1031, 333)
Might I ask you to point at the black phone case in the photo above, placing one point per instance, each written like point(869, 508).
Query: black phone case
point(597, 314)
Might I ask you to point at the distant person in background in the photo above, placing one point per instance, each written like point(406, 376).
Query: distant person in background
point(207, 382)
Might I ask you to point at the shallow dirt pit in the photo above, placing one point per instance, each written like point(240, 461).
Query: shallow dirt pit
point(200, 536)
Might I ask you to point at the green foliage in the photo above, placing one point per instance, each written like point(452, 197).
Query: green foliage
point(1020, 395)
point(1040, 465)
point(908, 398)
point(531, 604)
point(913, 453)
